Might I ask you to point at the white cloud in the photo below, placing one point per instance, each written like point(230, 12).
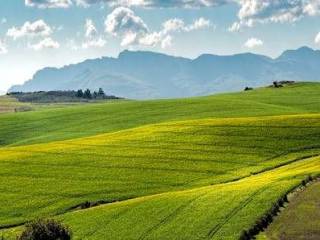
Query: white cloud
point(253, 43)
point(87, 3)
point(317, 39)
point(37, 28)
point(151, 39)
point(132, 30)
point(178, 25)
point(128, 3)
point(3, 48)
point(235, 27)
point(312, 7)
point(166, 42)
point(251, 11)
point(173, 25)
point(47, 43)
point(92, 39)
point(156, 3)
point(90, 29)
point(279, 11)
point(48, 3)
point(200, 23)
point(98, 43)
point(123, 22)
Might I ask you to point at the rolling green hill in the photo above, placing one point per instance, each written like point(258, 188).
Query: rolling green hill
point(87, 120)
point(199, 168)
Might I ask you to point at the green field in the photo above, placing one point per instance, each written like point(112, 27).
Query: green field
point(300, 220)
point(87, 120)
point(10, 104)
point(198, 168)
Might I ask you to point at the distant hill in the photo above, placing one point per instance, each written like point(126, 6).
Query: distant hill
point(142, 75)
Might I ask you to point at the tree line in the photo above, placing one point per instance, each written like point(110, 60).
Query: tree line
point(87, 94)
point(61, 96)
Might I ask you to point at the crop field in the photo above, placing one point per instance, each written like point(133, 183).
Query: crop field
point(88, 120)
point(198, 168)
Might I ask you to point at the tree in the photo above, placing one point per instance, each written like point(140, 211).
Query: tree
point(45, 230)
point(79, 93)
point(101, 93)
point(95, 95)
point(87, 94)
point(277, 84)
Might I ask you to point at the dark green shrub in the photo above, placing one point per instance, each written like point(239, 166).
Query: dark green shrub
point(47, 229)
point(245, 235)
point(248, 89)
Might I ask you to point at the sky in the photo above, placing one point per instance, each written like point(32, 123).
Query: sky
point(39, 33)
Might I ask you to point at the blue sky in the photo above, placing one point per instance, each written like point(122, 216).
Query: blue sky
point(39, 33)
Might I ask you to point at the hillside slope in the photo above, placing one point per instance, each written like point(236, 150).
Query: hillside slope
point(198, 168)
point(87, 120)
point(145, 75)
point(214, 212)
point(56, 181)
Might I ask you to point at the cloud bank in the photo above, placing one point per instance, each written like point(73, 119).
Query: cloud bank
point(48, 3)
point(128, 3)
point(37, 28)
point(47, 43)
point(132, 30)
point(279, 11)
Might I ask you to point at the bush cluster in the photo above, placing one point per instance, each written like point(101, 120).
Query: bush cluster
point(263, 222)
point(45, 229)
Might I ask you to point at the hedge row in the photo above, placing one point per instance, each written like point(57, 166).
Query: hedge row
point(262, 223)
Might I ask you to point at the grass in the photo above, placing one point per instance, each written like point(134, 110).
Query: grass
point(10, 104)
point(170, 169)
point(214, 212)
point(147, 160)
point(300, 219)
point(88, 120)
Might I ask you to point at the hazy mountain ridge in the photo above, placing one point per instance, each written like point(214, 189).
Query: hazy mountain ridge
point(144, 74)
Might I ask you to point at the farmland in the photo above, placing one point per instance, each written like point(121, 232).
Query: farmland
point(197, 168)
point(10, 104)
point(303, 208)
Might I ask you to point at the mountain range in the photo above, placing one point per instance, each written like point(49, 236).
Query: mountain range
point(142, 74)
